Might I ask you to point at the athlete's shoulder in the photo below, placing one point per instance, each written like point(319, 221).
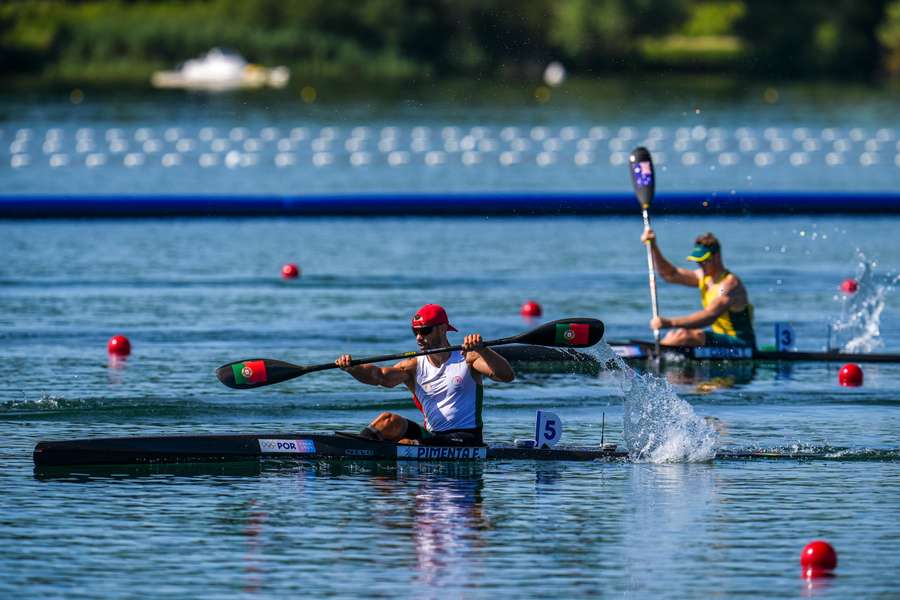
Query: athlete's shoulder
point(408, 364)
point(732, 281)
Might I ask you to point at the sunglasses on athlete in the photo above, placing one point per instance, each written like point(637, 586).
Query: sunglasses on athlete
point(423, 330)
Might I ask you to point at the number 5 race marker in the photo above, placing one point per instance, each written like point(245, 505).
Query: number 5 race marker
point(547, 429)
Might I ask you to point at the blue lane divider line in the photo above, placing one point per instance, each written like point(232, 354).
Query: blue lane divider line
point(459, 204)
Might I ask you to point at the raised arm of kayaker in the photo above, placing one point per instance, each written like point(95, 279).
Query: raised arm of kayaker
point(485, 361)
point(667, 270)
point(403, 372)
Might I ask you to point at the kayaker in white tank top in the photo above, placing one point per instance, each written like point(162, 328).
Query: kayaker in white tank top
point(446, 386)
point(447, 394)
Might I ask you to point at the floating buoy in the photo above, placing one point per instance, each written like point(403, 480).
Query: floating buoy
point(118, 345)
point(850, 375)
point(849, 286)
point(818, 559)
point(531, 309)
point(290, 271)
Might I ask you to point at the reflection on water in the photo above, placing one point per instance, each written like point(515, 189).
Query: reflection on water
point(669, 501)
point(448, 518)
point(437, 508)
point(709, 376)
point(816, 587)
point(253, 560)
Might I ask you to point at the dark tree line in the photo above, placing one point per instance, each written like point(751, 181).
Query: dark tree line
point(382, 39)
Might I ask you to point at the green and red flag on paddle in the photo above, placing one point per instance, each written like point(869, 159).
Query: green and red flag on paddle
point(250, 371)
point(573, 333)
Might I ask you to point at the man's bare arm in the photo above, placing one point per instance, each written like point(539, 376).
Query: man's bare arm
point(388, 377)
point(701, 318)
point(485, 361)
point(667, 270)
point(492, 365)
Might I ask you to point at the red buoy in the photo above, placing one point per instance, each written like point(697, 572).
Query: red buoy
point(849, 286)
point(818, 558)
point(119, 345)
point(290, 271)
point(850, 375)
point(531, 309)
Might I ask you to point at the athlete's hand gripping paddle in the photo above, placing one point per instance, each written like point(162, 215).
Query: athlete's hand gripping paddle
point(563, 333)
point(640, 165)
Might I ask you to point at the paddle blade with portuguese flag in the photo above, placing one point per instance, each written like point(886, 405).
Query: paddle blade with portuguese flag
point(257, 372)
point(571, 333)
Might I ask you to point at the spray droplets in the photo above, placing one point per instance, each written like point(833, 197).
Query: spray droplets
point(658, 425)
point(859, 328)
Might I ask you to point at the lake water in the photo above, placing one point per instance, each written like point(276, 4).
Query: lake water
point(194, 294)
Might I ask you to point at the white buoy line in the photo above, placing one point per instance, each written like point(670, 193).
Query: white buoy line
point(433, 146)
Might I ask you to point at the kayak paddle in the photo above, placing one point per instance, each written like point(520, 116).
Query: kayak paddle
point(257, 372)
point(644, 181)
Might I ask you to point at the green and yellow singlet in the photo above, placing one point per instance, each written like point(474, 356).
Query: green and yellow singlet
point(738, 324)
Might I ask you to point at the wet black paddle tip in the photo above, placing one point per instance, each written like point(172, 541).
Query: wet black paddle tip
point(640, 165)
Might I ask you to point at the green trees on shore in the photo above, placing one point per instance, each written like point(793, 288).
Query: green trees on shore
point(124, 41)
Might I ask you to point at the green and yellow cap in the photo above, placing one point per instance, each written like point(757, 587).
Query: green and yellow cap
point(702, 252)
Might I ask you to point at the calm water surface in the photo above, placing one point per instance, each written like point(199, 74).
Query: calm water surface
point(192, 295)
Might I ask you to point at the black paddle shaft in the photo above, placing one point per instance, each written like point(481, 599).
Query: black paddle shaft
point(257, 372)
point(640, 165)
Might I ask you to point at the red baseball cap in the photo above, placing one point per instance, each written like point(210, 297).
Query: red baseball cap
point(432, 314)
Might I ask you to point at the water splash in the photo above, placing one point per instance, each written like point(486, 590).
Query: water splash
point(858, 330)
point(46, 402)
point(812, 452)
point(658, 425)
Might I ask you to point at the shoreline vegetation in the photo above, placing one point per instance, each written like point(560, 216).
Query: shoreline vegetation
point(106, 43)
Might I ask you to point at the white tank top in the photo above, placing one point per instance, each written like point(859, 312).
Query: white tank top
point(448, 395)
